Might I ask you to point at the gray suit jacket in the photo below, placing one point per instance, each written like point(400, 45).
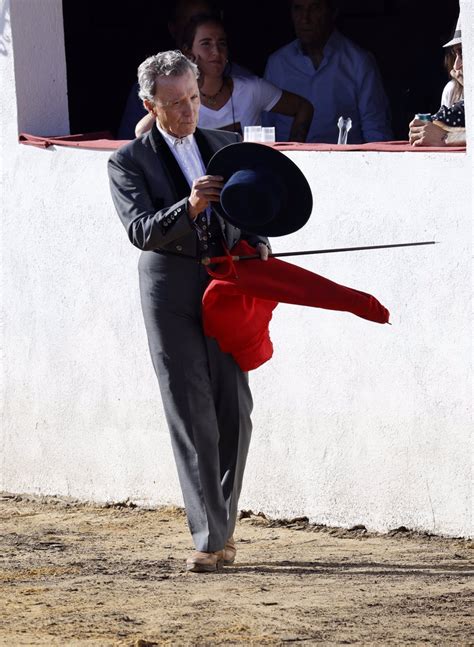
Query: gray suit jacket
point(150, 193)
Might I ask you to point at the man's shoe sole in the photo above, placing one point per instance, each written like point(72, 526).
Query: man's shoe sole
point(203, 568)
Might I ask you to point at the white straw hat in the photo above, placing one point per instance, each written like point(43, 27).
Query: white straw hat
point(456, 39)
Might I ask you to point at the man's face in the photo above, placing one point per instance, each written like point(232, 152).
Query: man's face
point(311, 19)
point(176, 104)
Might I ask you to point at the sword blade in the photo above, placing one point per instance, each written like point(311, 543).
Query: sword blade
point(334, 250)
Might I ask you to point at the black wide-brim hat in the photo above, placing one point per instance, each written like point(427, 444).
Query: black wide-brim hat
point(264, 192)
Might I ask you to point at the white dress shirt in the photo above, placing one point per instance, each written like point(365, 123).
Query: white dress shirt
point(187, 155)
point(347, 83)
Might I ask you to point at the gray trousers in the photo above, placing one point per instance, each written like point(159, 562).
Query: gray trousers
point(206, 397)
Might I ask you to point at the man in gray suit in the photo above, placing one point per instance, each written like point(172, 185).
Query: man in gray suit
point(164, 199)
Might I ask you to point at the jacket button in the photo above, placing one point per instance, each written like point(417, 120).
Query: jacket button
point(179, 248)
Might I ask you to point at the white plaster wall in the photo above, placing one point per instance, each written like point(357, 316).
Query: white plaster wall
point(40, 66)
point(373, 420)
point(354, 422)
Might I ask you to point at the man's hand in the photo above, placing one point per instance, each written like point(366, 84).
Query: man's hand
point(426, 133)
point(262, 249)
point(204, 190)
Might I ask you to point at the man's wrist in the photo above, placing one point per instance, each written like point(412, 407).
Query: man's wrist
point(192, 211)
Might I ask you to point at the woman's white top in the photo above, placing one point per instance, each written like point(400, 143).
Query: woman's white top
point(250, 96)
point(447, 96)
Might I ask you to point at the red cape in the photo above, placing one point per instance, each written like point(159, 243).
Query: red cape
point(238, 306)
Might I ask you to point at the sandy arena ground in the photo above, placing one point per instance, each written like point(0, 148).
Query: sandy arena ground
point(77, 574)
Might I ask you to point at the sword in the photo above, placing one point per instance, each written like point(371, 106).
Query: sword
point(220, 259)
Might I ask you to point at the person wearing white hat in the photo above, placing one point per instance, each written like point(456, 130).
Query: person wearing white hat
point(454, 89)
point(447, 126)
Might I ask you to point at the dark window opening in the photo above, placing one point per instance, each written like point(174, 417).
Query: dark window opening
point(106, 41)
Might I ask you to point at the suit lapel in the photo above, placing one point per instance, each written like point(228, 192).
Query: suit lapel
point(204, 147)
point(175, 174)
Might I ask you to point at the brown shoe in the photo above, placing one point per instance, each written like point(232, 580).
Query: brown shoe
point(200, 562)
point(229, 552)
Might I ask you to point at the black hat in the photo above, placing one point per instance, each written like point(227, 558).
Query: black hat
point(264, 193)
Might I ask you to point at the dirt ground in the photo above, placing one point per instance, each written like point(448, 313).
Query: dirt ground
point(75, 574)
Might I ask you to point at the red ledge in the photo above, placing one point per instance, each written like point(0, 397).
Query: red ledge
point(105, 141)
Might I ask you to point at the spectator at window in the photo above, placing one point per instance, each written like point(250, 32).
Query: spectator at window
point(336, 75)
point(454, 89)
point(447, 127)
point(231, 102)
point(183, 11)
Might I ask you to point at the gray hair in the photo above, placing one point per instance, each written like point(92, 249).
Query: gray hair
point(170, 63)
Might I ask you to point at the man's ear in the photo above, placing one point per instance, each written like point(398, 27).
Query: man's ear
point(149, 105)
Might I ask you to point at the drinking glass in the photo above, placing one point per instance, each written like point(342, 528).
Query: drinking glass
point(268, 134)
point(252, 133)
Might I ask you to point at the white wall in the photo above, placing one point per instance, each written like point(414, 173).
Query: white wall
point(40, 66)
point(354, 422)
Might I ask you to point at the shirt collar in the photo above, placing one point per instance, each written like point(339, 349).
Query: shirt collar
point(175, 142)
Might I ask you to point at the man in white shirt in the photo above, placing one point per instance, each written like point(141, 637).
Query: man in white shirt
point(337, 76)
point(164, 198)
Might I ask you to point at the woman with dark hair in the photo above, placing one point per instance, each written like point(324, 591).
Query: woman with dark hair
point(230, 102)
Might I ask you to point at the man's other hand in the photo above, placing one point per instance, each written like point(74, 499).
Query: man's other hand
point(262, 249)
